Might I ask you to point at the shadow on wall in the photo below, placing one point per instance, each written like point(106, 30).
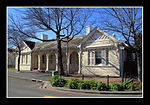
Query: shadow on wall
point(89, 71)
point(111, 64)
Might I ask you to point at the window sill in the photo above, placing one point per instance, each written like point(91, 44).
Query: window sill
point(98, 65)
point(24, 64)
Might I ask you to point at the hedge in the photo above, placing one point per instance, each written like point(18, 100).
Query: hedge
point(75, 83)
point(58, 81)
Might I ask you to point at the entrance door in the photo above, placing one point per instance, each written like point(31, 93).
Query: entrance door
point(43, 62)
point(74, 62)
point(35, 62)
point(52, 61)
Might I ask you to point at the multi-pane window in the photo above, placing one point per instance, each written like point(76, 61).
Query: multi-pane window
point(98, 57)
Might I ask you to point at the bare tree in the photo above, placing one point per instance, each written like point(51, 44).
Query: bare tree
point(56, 20)
point(14, 38)
point(128, 22)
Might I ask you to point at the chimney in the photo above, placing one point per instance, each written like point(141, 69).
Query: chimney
point(44, 37)
point(114, 36)
point(88, 29)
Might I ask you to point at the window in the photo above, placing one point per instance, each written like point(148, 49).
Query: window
point(133, 57)
point(26, 59)
point(71, 58)
point(98, 58)
point(107, 57)
point(88, 57)
point(22, 59)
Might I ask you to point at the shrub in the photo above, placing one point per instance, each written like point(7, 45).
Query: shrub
point(81, 84)
point(88, 84)
point(101, 86)
point(73, 83)
point(58, 81)
point(140, 85)
point(92, 84)
point(126, 85)
point(130, 86)
point(115, 86)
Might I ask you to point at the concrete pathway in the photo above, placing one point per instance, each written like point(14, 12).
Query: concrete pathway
point(44, 79)
point(30, 75)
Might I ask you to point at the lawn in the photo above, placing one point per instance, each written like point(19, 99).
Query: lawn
point(11, 69)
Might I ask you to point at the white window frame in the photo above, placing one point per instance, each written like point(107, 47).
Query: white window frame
point(26, 59)
point(98, 57)
point(92, 58)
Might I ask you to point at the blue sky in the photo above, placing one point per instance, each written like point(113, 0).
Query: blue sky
point(96, 16)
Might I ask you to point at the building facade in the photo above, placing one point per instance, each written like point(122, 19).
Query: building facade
point(96, 53)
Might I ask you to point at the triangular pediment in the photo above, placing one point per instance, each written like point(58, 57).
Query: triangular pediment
point(97, 35)
point(26, 47)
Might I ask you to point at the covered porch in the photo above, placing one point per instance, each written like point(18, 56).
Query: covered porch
point(48, 62)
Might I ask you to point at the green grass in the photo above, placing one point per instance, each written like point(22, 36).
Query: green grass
point(11, 69)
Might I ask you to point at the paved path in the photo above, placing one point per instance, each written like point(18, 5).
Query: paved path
point(21, 88)
point(28, 87)
point(30, 75)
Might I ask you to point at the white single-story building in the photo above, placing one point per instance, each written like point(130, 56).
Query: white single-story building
point(96, 53)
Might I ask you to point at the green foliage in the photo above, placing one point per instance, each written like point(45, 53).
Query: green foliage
point(73, 83)
point(122, 86)
point(81, 84)
point(126, 85)
point(115, 86)
point(101, 86)
point(140, 85)
point(92, 84)
point(130, 86)
point(58, 81)
point(11, 69)
point(88, 84)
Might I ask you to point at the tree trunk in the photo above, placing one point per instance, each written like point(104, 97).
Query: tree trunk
point(139, 66)
point(18, 66)
point(59, 53)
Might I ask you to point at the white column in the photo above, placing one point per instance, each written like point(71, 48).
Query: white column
point(31, 61)
point(68, 62)
point(39, 62)
point(91, 58)
point(47, 62)
point(80, 61)
point(56, 61)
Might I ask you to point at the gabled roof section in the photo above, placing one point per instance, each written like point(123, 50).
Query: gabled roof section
point(53, 44)
point(101, 31)
point(30, 44)
point(108, 35)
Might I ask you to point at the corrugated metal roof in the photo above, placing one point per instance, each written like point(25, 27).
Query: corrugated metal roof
point(35, 46)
